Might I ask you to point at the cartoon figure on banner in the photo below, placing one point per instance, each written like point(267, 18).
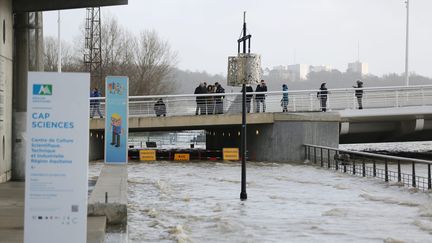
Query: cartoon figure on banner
point(117, 130)
point(115, 88)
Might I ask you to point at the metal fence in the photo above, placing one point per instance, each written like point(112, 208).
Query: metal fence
point(299, 101)
point(415, 173)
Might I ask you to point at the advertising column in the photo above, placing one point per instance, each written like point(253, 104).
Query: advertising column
point(57, 141)
point(116, 122)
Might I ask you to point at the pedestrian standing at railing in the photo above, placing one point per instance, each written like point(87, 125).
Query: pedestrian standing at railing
point(160, 108)
point(260, 98)
point(284, 100)
point(210, 100)
point(322, 96)
point(249, 97)
point(359, 93)
point(200, 100)
point(95, 103)
point(219, 99)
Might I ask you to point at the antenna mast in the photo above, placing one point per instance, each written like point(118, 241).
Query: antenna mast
point(93, 51)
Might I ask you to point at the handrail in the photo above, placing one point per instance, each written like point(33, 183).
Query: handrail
point(389, 157)
point(359, 165)
point(298, 101)
point(412, 87)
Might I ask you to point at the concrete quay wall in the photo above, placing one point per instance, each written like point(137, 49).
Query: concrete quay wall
point(283, 139)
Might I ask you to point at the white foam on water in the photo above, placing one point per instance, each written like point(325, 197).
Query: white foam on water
point(389, 200)
point(179, 234)
point(285, 202)
point(339, 212)
point(391, 240)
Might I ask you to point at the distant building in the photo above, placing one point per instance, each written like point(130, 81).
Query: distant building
point(298, 72)
point(358, 67)
point(320, 68)
point(279, 72)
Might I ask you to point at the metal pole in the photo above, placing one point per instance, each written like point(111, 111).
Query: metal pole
point(406, 47)
point(59, 45)
point(243, 194)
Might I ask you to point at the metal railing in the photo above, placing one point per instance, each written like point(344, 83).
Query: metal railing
point(299, 101)
point(415, 173)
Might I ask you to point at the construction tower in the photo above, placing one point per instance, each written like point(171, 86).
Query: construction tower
point(93, 51)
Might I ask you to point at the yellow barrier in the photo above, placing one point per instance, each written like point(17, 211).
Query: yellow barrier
point(147, 155)
point(182, 157)
point(231, 154)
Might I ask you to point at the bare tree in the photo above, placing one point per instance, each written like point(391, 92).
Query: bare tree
point(147, 60)
point(70, 62)
point(154, 63)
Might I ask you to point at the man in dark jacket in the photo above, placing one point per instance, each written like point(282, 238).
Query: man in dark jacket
point(322, 96)
point(359, 93)
point(260, 98)
point(249, 97)
point(95, 103)
point(160, 108)
point(219, 99)
point(201, 100)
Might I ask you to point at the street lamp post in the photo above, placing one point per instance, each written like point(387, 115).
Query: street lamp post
point(59, 54)
point(406, 47)
point(243, 194)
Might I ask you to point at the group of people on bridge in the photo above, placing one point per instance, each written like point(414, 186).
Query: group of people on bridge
point(209, 105)
point(323, 94)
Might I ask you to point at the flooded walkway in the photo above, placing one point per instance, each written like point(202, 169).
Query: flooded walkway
point(199, 202)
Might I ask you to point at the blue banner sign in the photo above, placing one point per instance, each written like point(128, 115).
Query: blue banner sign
point(116, 122)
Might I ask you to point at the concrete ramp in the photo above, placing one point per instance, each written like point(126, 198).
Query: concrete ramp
point(109, 197)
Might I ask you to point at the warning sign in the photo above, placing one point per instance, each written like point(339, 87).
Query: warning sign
point(182, 157)
point(231, 154)
point(148, 155)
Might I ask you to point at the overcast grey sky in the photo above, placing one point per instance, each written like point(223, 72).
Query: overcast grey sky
point(204, 32)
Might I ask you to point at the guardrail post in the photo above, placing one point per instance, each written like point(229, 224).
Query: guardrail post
point(354, 168)
point(321, 157)
point(397, 98)
point(315, 160)
point(311, 103)
point(294, 104)
point(364, 168)
point(374, 168)
point(413, 175)
point(328, 158)
point(422, 95)
point(399, 172)
point(429, 177)
point(306, 149)
point(336, 162)
point(385, 170)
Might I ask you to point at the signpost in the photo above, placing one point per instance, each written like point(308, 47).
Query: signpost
point(57, 157)
point(116, 122)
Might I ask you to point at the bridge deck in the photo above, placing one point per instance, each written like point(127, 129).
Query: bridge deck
point(206, 121)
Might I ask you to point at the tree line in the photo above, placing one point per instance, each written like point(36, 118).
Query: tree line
point(145, 58)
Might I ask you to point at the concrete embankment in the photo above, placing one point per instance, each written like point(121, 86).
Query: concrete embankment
point(109, 197)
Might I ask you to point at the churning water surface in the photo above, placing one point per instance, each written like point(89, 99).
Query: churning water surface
point(199, 202)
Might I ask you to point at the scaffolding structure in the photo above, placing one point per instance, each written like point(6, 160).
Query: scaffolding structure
point(93, 51)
